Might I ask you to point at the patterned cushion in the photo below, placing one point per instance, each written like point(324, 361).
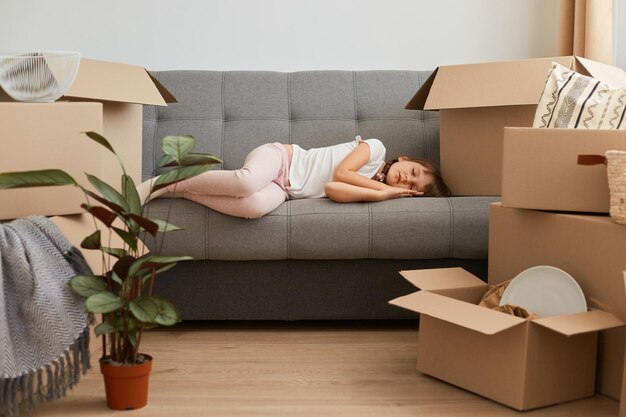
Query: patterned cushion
point(573, 100)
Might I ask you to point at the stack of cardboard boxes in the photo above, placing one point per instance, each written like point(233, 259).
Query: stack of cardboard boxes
point(106, 98)
point(553, 212)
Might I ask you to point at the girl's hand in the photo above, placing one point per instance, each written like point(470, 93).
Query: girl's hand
point(348, 193)
point(397, 192)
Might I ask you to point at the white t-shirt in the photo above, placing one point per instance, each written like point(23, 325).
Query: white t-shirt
point(311, 170)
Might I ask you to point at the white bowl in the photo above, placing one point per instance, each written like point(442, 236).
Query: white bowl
point(40, 77)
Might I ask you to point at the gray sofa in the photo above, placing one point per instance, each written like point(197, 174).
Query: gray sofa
point(313, 258)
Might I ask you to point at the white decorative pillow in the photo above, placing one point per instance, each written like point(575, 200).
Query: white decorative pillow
point(573, 100)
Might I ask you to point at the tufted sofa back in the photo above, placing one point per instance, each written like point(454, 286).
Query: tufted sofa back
point(231, 113)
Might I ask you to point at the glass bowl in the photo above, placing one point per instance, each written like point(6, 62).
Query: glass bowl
point(39, 77)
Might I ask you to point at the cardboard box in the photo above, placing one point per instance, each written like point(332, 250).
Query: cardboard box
point(521, 363)
point(475, 103)
point(588, 247)
point(122, 90)
point(540, 170)
point(48, 135)
point(622, 405)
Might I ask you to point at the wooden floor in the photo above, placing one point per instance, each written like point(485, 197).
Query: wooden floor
point(296, 369)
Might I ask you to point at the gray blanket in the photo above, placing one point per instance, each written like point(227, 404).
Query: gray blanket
point(44, 330)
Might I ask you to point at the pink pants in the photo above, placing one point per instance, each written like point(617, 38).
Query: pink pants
point(250, 192)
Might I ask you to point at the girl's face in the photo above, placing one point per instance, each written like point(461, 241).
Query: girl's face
point(410, 175)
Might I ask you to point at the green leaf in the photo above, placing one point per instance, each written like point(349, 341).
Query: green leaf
point(148, 326)
point(189, 160)
point(105, 216)
point(92, 241)
point(177, 146)
point(152, 309)
point(162, 260)
point(87, 285)
point(132, 338)
point(131, 321)
point(100, 139)
point(200, 159)
point(129, 191)
point(129, 238)
point(115, 207)
point(168, 313)
point(165, 226)
point(144, 309)
point(116, 278)
point(108, 192)
point(167, 267)
point(40, 178)
point(179, 174)
point(122, 266)
point(155, 261)
point(104, 328)
point(167, 161)
point(103, 302)
point(149, 225)
point(117, 252)
point(157, 272)
point(132, 326)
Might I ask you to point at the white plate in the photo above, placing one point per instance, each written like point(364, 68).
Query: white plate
point(546, 291)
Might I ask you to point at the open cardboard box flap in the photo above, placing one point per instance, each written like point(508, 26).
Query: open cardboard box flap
point(442, 278)
point(574, 324)
point(455, 283)
point(111, 81)
point(457, 312)
point(504, 83)
point(102, 80)
point(609, 74)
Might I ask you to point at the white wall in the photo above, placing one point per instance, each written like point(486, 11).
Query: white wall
point(283, 35)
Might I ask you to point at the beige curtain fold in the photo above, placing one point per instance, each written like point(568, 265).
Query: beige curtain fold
point(586, 29)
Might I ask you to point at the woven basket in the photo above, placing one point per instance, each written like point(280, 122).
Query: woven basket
point(616, 173)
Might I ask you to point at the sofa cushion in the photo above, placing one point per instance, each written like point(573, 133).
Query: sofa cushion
point(409, 228)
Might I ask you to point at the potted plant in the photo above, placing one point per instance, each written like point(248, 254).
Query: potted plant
point(122, 291)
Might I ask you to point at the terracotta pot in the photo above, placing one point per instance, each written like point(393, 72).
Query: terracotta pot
point(126, 386)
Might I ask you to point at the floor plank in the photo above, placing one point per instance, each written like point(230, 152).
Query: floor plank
point(296, 369)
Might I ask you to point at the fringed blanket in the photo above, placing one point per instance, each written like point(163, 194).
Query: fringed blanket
point(44, 330)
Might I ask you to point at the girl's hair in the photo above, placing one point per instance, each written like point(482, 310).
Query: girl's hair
point(438, 187)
